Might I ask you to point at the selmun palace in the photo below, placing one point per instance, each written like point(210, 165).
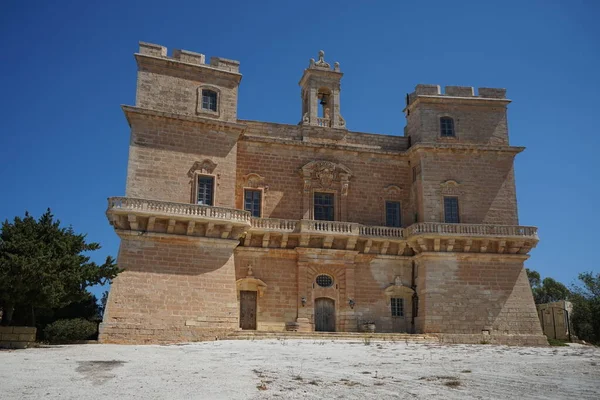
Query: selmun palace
point(230, 224)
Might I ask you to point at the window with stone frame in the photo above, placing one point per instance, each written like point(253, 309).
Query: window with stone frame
point(393, 214)
point(451, 214)
point(206, 190)
point(324, 206)
point(209, 100)
point(397, 306)
point(253, 201)
point(447, 127)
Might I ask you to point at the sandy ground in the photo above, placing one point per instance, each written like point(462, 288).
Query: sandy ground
point(300, 369)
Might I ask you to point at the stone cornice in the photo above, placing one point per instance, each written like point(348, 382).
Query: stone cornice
point(467, 147)
point(333, 146)
point(223, 126)
point(141, 235)
point(171, 63)
point(467, 256)
point(443, 99)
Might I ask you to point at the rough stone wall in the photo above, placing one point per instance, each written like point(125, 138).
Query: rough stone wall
point(171, 284)
point(472, 123)
point(280, 165)
point(486, 186)
point(166, 84)
point(277, 268)
point(470, 294)
point(373, 276)
point(162, 151)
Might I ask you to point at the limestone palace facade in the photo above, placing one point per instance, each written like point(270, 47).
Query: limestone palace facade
point(230, 224)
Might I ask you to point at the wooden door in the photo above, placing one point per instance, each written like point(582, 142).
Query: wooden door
point(324, 315)
point(248, 309)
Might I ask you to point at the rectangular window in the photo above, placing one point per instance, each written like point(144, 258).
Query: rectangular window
point(397, 307)
point(206, 189)
point(451, 210)
point(209, 100)
point(252, 200)
point(392, 213)
point(447, 127)
point(323, 206)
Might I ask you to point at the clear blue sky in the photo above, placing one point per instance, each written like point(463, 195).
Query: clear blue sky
point(67, 66)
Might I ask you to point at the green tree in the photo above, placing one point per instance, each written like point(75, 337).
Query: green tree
point(586, 307)
point(547, 290)
point(46, 266)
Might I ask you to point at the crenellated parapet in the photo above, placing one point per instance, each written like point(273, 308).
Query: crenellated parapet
point(188, 57)
point(424, 90)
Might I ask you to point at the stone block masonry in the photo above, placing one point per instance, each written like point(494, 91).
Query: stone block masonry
point(232, 224)
point(17, 337)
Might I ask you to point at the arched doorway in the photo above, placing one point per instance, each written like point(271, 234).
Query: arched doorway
point(324, 315)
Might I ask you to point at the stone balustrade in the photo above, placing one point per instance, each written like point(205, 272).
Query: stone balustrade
point(274, 224)
point(131, 205)
point(381, 231)
point(476, 230)
point(329, 227)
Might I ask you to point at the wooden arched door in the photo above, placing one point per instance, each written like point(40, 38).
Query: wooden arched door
point(324, 315)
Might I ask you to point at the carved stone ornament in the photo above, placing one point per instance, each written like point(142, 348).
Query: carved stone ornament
point(392, 191)
point(321, 63)
point(450, 187)
point(254, 181)
point(202, 167)
point(323, 174)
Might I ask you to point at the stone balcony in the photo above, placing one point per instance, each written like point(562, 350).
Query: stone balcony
point(471, 238)
point(282, 233)
point(133, 214)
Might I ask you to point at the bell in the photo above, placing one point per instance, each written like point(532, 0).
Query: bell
point(323, 100)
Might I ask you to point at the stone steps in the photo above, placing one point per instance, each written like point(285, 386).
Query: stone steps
point(359, 336)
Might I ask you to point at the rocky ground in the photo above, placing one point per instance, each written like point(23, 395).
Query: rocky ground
point(300, 369)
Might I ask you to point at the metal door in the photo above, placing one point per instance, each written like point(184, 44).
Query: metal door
point(247, 309)
point(324, 315)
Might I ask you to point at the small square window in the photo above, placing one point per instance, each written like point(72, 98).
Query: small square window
point(397, 305)
point(392, 214)
point(252, 201)
point(209, 100)
point(447, 127)
point(451, 215)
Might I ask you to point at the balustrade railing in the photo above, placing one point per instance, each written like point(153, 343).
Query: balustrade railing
point(130, 204)
point(471, 229)
point(381, 231)
point(274, 224)
point(313, 226)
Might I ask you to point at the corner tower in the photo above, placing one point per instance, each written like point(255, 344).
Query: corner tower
point(321, 94)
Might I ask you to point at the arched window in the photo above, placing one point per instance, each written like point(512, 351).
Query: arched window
point(209, 100)
point(447, 127)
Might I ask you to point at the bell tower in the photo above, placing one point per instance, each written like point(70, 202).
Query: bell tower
point(321, 94)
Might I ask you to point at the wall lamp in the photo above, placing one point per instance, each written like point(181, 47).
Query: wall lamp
point(351, 303)
point(303, 300)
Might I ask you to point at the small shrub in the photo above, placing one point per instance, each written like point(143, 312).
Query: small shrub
point(556, 342)
point(70, 330)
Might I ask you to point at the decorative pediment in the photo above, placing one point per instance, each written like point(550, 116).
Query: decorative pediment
point(254, 181)
point(324, 174)
point(202, 167)
point(392, 191)
point(397, 289)
point(450, 187)
point(251, 283)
